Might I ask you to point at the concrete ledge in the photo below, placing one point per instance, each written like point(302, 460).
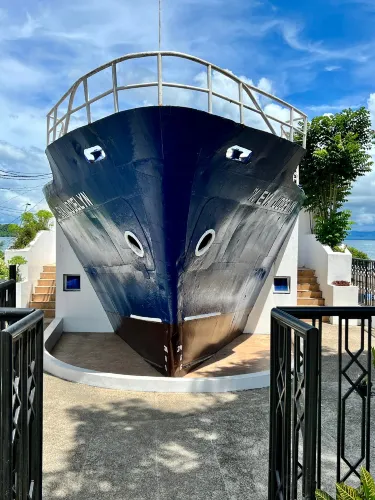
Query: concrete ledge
point(53, 333)
point(143, 384)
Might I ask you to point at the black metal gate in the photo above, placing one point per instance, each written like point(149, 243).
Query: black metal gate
point(21, 403)
point(294, 407)
point(295, 460)
point(363, 276)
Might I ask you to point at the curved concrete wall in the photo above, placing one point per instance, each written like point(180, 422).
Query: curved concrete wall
point(144, 384)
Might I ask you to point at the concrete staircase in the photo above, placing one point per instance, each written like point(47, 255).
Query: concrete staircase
point(45, 292)
point(308, 290)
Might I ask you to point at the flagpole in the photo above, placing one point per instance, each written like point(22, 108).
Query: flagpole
point(159, 25)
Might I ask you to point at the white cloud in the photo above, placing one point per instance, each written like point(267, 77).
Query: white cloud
point(332, 68)
point(362, 201)
point(292, 34)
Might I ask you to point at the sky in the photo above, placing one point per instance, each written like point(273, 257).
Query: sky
point(319, 56)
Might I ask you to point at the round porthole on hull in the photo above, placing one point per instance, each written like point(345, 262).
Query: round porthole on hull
point(134, 244)
point(204, 243)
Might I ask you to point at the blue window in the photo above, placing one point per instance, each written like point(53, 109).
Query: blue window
point(281, 285)
point(72, 282)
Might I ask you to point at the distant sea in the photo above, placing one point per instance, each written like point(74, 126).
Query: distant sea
point(7, 241)
point(367, 246)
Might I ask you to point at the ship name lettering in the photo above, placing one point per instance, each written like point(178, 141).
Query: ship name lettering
point(283, 204)
point(73, 205)
point(263, 198)
point(254, 196)
point(267, 199)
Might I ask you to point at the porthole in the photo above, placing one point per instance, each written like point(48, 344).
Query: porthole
point(134, 243)
point(204, 243)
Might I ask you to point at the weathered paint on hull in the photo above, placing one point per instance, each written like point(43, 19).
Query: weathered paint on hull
point(166, 178)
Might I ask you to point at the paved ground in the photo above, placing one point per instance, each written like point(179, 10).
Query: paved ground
point(114, 445)
point(109, 353)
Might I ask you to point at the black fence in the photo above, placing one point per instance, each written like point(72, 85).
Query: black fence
point(295, 452)
point(21, 403)
point(8, 290)
point(363, 276)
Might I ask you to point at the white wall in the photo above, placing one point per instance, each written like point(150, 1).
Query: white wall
point(40, 252)
point(81, 310)
point(285, 265)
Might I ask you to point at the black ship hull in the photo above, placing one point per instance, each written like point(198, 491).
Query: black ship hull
point(176, 237)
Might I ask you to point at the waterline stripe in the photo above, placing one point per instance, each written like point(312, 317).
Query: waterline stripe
point(145, 318)
point(201, 316)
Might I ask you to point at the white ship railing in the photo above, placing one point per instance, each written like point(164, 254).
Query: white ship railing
point(59, 121)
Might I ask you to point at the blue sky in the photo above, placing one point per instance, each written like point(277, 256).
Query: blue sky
point(320, 56)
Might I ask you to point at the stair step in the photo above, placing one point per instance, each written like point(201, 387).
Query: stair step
point(310, 302)
point(42, 305)
point(45, 282)
point(41, 289)
point(313, 287)
point(309, 294)
point(48, 276)
point(43, 297)
point(307, 279)
point(49, 313)
point(49, 269)
point(306, 273)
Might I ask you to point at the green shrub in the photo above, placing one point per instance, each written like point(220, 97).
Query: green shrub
point(334, 229)
point(345, 492)
point(17, 261)
point(357, 254)
point(30, 225)
point(4, 271)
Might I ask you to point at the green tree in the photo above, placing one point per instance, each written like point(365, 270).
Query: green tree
point(4, 230)
point(30, 224)
point(337, 153)
point(4, 271)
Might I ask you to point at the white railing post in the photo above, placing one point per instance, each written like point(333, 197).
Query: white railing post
point(86, 91)
point(260, 110)
point(114, 85)
point(54, 123)
point(209, 87)
point(48, 127)
point(291, 135)
point(240, 98)
point(160, 81)
point(70, 106)
point(304, 131)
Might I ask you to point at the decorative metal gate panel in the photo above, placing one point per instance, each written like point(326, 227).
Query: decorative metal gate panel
point(21, 404)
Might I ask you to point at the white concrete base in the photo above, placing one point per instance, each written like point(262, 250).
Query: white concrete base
point(143, 384)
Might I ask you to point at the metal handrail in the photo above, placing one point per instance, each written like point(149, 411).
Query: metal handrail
point(57, 126)
point(297, 398)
